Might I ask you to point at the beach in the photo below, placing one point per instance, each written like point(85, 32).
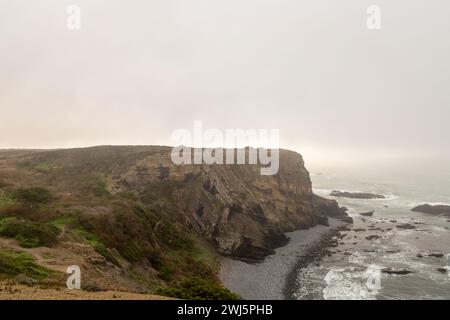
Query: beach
point(271, 278)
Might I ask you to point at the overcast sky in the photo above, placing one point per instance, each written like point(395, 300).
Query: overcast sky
point(139, 69)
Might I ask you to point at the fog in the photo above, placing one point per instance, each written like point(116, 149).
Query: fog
point(138, 70)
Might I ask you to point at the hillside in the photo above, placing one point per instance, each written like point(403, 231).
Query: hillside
point(133, 221)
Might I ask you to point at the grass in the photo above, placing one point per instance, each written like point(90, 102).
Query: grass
point(63, 221)
point(29, 234)
point(34, 196)
point(43, 167)
point(73, 224)
point(13, 263)
point(5, 201)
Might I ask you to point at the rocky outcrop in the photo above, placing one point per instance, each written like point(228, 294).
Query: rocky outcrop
point(367, 214)
point(356, 195)
point(396, 271)
point(438, 209)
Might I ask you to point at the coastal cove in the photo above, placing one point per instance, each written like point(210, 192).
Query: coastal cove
point(271, 278)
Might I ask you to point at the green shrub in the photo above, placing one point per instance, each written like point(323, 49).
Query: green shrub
point(34, 196)
point(42, 167)
point(14, 263)
point(5, 201)
point(29, 234)
point(101, 249)
point(96, 184)
point(196, 288)
point(72, 222)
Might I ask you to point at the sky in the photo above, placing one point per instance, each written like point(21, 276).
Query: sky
point(138, 70)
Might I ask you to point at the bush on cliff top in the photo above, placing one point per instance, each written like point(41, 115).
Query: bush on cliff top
point(196, 288)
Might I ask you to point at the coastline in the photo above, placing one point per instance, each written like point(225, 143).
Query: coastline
point(274, 278)
point(312, 254)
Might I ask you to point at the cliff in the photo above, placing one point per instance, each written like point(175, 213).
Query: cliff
point(139, 205)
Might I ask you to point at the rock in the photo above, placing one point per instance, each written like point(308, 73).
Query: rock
point(396, 271)
point(359, 230)
point(323, 220)
point(356, 195)
point(367, 214)
point(22, 279)
point(405, 226)
point(330, 209)
point(436, 255)
point(373, 237)
point(419, 255)
point(442, 270)
point(347, 219)
point(438, 209)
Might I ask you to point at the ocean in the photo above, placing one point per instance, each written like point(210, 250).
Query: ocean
point(352, 270)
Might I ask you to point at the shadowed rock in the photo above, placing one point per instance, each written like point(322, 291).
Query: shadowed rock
point(356, 195)
point(438, 209)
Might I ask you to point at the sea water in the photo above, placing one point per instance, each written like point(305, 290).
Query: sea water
point(344, 273)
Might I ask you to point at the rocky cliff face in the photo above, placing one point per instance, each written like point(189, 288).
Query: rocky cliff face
point(243, 213)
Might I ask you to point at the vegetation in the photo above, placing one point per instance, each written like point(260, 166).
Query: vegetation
point(33, 196)
point(29, 234)
point(196, 288)
point(138, 230)
point(5, 201)
point(96, 184)
point(14, 263)
point(3, 184)
point(72, 224)
point(43, 167)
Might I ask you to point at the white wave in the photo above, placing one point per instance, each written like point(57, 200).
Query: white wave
point(343, 284)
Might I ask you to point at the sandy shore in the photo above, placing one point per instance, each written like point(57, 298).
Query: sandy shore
point(267, 279)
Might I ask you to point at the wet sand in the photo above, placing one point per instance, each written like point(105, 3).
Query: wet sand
point(267, 279)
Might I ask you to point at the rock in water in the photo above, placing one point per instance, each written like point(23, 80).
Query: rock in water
point(367, 214)
point(356, 195)
point(405, 226)
point(438, 209)
point(396, 271)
